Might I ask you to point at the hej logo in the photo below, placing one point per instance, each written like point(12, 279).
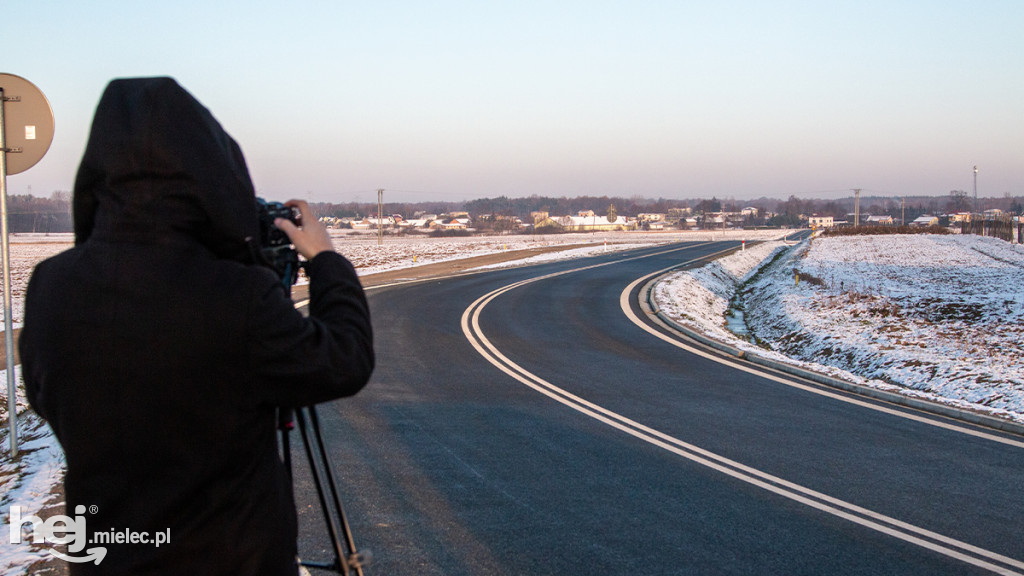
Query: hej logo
point(57, 529)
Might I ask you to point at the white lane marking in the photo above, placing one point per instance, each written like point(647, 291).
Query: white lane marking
point(628, 311)
point(853, 513)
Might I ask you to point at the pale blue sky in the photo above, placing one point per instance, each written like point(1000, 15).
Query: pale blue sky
point(452, 100)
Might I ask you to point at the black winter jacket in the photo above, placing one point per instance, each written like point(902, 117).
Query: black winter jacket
point(158, 354)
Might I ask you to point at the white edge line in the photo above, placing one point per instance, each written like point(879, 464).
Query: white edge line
point(790, 490)
point(627, 310)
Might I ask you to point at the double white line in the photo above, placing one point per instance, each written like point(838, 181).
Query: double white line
point(945, 545)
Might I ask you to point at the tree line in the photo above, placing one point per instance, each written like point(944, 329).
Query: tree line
point(52, 214)
point(33, 214)
point(771, 211)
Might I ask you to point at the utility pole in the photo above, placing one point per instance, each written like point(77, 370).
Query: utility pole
point(380, 216)
point(903, 211)
point(856, 207)
point(976, 207)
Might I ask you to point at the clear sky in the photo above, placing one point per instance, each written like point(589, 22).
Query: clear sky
point(453, 100)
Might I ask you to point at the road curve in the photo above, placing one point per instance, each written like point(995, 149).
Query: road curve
point(529, 421)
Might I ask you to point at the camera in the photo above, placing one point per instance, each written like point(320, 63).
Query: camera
point(275, 248)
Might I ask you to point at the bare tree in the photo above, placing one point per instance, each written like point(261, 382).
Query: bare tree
point(958, 200)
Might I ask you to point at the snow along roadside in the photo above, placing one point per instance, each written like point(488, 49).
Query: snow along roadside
point(697, 301)
point(30, 482)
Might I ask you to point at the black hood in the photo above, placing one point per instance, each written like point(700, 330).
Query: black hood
point(159, 167)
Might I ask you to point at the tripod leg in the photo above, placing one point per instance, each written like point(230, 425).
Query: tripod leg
point(344, 562)
point(355, 559)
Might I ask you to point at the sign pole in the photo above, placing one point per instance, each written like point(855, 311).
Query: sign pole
point(12, 390)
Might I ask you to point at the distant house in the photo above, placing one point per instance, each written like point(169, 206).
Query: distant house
point(450, 224)
point(880, 221)
point(414, 224)
point(333, 222)
point(590, 223)
point(651, 217)
point(547, 222)
point(373, 223)
point(820, 222)
point(926, 220)
point(363, 224)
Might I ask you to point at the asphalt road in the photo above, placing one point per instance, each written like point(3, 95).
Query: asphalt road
point(521, 422)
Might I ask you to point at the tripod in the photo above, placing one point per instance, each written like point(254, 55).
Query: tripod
point(347, 560)
point(275, 252)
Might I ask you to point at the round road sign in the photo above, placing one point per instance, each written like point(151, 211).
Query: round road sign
point(28, 123)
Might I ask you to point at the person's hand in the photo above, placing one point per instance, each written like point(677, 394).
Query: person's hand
point(311, 238)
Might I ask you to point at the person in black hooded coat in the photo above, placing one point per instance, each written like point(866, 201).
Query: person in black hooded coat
point(159, 353)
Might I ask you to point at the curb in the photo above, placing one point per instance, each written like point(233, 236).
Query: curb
point(936, 408)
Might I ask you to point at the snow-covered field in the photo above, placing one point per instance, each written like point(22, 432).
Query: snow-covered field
point(399, 252)
point(27, 250)
point(938, 317)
